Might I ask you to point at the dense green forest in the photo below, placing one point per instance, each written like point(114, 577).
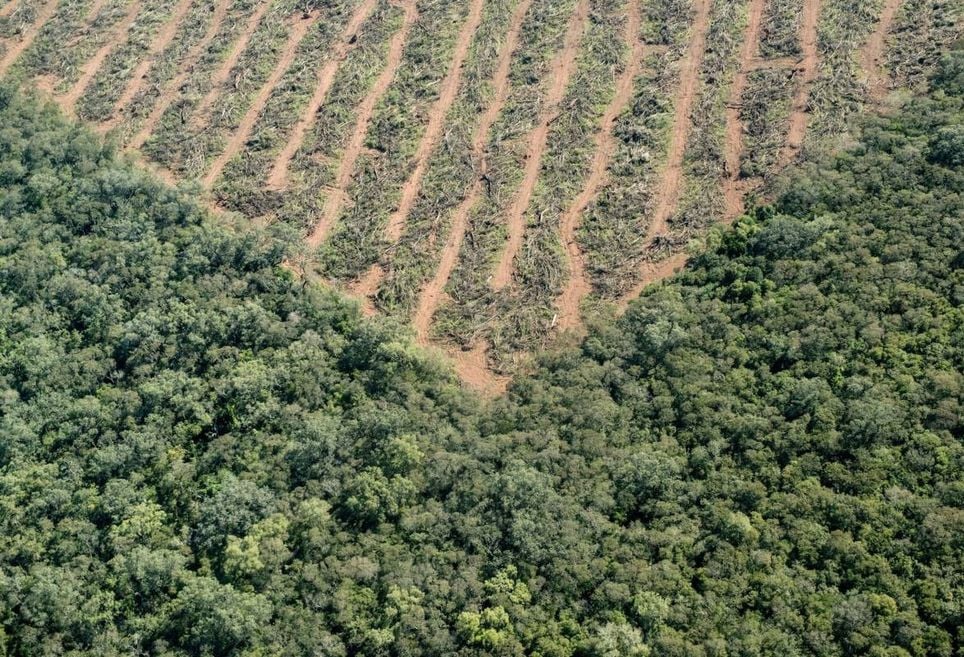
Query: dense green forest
point(201, 455)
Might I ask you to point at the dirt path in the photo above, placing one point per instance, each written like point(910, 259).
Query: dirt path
point(669, 187)
point(733, 191)
point(297, 33)
point(45, 14)
point(365, 111)
point(436, 121)
point(811, 59)
point(161, 42)
point(117, 36)
point(872, 54)
point(171, 90)
point(326, 78)
point(473, 369)
point(560, 73)
point(653, 272)
point(223, 74)
point(432, 291)
point(577, 287)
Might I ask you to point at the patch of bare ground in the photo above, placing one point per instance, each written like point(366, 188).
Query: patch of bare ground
point(117, 36)
point(8, 8)
point(801, 99)
point(734, 188)
point(299, 30)
point(872, 54)
point(171, 90)
point(161, 42)
point(577, 285)
point(356, 143)
point(326, 78)
point(431, 293)
point(17, 48)
point(562, 68)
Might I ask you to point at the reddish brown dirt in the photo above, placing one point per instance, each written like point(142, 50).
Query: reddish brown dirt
point(161, 42)
point(432, 292)
point(733, 145)
point(689, 80)
point(578, 286)
point(117, 36)
point(365, 288)
point(27, 38)
point(172, 88)
point(872, 54)
point(8, 8)
point(473, 369)
point(326, 78)
point(297, 33)
point(561, 71)
point(809, 64)
point(223, 74)
point(436, 121)
point(346, 167)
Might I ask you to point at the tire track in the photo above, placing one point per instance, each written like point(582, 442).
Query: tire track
point(811, 59)
point(872, 54)
point(733, 187)
point(27, 38)
point(432, 291)
point(326, 78)
point(241, 135)
point(577, 286)
point(356, 144)
point(561, 71)
point(117, 36)
point(160, 44)
point(172, 88)
point(224, 73)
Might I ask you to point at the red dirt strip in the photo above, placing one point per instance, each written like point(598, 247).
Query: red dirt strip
point(356, 144)
point(561, 71)
point(578, 286)
point(326, 78)
point(296, 35)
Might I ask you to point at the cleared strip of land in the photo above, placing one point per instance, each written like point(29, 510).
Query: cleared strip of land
point(297, 33)
point(810, 62)
point(577, 286)
point(431, 293)
point(346, 166)
point(16, 49)
point(561, 71)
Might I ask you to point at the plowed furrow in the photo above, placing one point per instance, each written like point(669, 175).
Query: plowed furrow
point(809, 64)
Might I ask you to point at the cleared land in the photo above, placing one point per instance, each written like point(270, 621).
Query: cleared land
point(486, 170)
